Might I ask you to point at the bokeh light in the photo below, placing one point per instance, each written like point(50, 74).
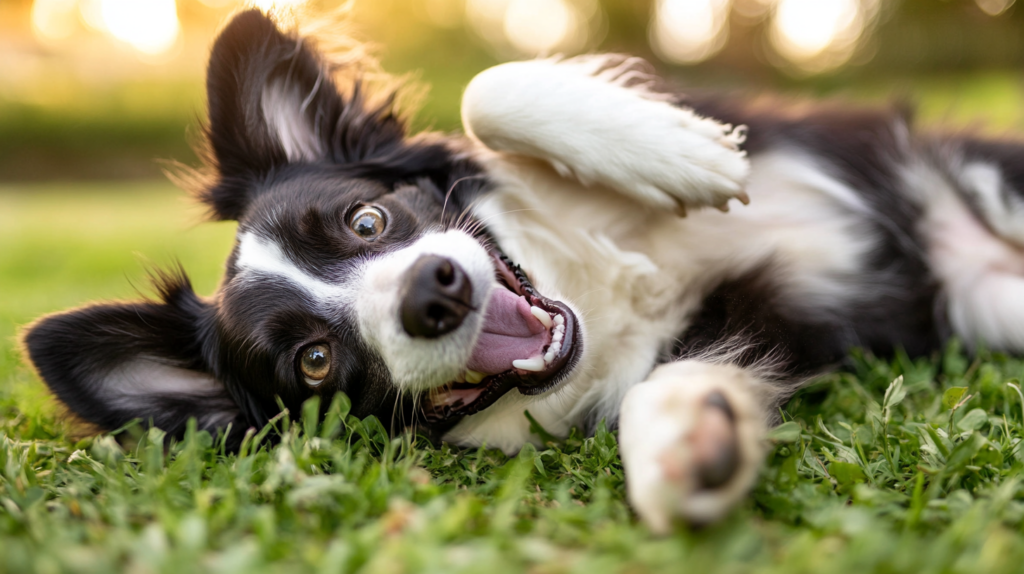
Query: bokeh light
point(151, 26)
point(92, 14)
point(818, 35)
point(54, 19)
point(689, 31)
point(534, 27)
point(539, 26)
point(994, 7)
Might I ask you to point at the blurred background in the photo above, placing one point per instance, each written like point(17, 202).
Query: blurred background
point(100, 89)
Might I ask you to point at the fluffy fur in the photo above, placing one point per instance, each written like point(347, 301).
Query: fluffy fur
point(554, 227)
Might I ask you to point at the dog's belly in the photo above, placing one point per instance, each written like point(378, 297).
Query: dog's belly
point(636, 276)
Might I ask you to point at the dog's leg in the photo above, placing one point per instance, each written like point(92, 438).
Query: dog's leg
point(595, 118)
point(691, 439)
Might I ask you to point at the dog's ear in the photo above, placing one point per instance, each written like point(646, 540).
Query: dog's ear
point(112, 363)
point(273, 101)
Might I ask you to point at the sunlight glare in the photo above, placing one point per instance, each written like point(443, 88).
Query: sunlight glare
point(689, 31)
point(994, 7)
point(269, 5)
point(54, 19)
point(151, 26)
point(538, 27)
point(91, 12)
point(534, 27)
point(817, 34)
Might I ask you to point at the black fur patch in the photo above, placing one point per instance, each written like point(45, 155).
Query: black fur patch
point(357, 140)
point(76, 351)
point(905, 310)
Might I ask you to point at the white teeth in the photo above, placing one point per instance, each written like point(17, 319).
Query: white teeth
point(542, 316)
point(474, 377)
point(535, 364)
point(556, 325)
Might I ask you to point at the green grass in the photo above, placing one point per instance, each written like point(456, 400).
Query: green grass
point(854, 482)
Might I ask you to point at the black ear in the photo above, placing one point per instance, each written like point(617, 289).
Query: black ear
point(112, 363)
point(273, 101)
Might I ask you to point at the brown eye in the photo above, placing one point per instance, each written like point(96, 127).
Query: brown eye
point(368, 222)
point(315, 363)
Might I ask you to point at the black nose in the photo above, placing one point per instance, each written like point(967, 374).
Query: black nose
point(437, 298)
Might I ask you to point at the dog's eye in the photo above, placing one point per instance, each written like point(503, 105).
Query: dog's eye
point(367, 222)
point(315, 363)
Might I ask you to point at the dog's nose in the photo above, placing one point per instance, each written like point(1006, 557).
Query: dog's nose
point(438, 296)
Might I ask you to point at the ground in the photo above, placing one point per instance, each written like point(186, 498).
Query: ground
point(924, 479)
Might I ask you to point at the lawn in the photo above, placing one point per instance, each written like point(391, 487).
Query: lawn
point(855, 481)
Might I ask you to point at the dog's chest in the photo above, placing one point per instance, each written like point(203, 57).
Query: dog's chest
point(636, 277)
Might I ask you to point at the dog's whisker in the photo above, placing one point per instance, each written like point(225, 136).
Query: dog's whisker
point(451, 189)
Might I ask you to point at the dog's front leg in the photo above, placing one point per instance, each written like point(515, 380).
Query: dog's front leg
point(691, 440)
point(594, 118)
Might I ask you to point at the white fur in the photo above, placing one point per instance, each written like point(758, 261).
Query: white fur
point(284, 110)
point(580, 116)
point(635, 277)
point(418, 364)
point(1003, 211)
point(143, 378)
point(374, 296)
point(983, 276)
point(658, 419)
point(258, 256)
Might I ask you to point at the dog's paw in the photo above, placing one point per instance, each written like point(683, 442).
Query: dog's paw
point(695, 162)
point(678, 159)
point(691, 442)
point(599, 120)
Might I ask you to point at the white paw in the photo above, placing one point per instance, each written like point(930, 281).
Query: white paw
point(596, 118)
point(691, 442)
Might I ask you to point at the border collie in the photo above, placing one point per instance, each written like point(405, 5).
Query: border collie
point(543, 262)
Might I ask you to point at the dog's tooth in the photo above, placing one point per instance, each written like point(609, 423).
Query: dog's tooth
point(542, 316)
point(549, 356)
point(535, 364)
point(557, 337)
point(474, 377)
point(559, 320)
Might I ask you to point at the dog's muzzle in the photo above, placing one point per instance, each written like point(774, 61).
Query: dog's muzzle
point(437, 297)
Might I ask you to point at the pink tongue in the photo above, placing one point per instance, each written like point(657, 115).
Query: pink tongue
point(510, 332)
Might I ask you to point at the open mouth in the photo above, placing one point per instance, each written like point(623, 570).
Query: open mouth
point(528, 342)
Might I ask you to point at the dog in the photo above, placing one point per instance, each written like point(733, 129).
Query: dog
point(596, 247)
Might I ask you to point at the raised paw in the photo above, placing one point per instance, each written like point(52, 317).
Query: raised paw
point(690, 438)
point(599, 119)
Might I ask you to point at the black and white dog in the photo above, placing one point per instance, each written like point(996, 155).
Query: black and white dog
point(541, 263)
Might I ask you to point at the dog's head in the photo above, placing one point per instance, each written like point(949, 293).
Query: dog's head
point(358, 267)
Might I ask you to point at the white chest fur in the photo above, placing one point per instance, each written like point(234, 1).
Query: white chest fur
point(634, 275)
